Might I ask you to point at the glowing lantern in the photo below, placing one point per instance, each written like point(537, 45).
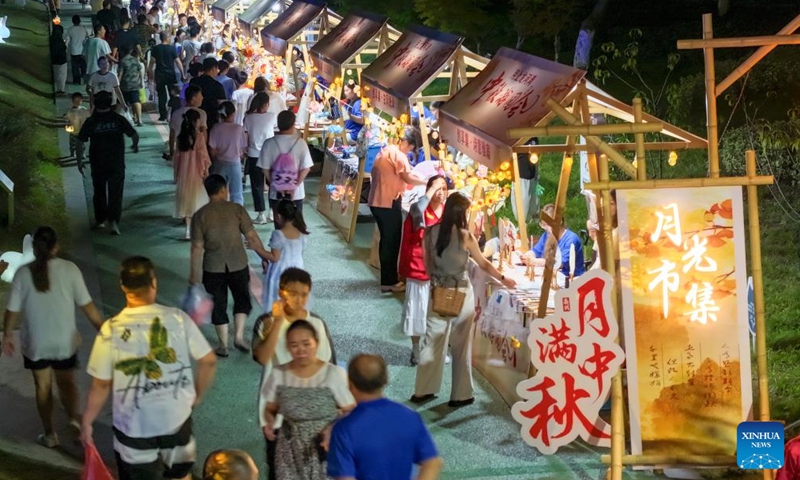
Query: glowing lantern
point(673, 158)
point(505, 166)
point(534, 158)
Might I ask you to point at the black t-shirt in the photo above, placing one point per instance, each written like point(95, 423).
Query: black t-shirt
point(125, 37)
point(164, 56)
point(108, 19)
point(213, 93)
point(106, 131)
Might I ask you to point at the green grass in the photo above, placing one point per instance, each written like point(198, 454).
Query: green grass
point(27, 132)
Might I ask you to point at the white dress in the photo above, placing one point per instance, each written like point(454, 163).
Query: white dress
point(291, 256)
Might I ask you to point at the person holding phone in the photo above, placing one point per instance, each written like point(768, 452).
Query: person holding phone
point(309, 394)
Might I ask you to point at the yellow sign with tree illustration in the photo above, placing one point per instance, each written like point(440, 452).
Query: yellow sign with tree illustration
point(684, 297)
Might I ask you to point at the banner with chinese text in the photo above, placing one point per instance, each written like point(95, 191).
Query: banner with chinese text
point(575, 355)
point(684, 303)
point(407, 67)
point(293, 20)
point(336, 48)
point(509, 92)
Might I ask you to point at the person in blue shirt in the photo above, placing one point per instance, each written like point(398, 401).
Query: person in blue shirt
point(566, 239)
point(353, 118)
point(379, 439)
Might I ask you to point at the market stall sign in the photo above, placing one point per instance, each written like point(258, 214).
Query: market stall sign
point(575, 355)
point(684, 296)
point(254, 13)
point(348, 38)
point(275, 36)
point(509, 92)
point(407, 67)
point(221, 7)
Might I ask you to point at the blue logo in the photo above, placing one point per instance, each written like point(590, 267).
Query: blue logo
point(759, 445)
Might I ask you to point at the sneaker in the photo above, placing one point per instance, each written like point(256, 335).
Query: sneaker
point(114, 228)
point(447, 359)
point(49, 441)
point(397, 288)
point(269, 216)
point(260, 219)
point(98, 226)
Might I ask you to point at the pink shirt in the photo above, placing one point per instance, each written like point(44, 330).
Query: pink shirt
point(386, 184)
point(229, 140)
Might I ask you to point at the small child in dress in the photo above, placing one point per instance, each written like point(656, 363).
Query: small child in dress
point(76, 115)
point(192, 164)
point(286, 248)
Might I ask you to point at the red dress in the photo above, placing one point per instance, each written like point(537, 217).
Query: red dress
point(411, 264)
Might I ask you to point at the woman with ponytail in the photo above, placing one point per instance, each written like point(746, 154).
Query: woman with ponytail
point(286, 248)
point(391, 173)
point(191, 167)
point(43, 295)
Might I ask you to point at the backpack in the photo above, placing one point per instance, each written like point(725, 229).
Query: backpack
point(284, 172)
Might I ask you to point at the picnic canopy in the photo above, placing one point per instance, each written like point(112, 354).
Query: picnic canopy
point(276, 36)
point(254, 13)
point(395, 79)
point(344, 42)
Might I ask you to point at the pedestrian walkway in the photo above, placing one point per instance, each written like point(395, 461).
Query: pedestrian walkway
point(478, 441)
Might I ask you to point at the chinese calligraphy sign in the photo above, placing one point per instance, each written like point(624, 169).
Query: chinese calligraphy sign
point(575, 354)
point(683, 275)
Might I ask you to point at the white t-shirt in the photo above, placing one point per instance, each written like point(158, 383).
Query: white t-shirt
point(76, 35)
point(241, 99)
point(95, 48)
point(281, 144)
point(277, 103)
point(176, 120)
point(107, 82)
point(282, 355)
point(191, 48)
point(147, 352)
point(48, 330)
point(230, 141)
point(259, 127)
point(329, 376)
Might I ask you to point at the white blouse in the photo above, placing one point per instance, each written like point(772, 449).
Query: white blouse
point(329, 376)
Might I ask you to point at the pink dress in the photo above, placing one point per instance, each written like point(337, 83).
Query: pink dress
point(191, 167)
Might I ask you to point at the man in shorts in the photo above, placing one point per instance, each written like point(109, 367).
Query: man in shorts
point(144, 355)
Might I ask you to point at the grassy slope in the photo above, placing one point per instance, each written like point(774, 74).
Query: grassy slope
point(26, 91)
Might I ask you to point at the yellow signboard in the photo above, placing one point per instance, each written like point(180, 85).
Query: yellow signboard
point(684, 294)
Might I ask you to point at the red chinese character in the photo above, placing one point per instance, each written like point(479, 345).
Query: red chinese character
point(557, 347)
point(520, 103)
point(491, 86)
point(571, 411)
point(540, 413)
point(600, 359)
point(417, 66)
point(400, 55)
point(591, 310)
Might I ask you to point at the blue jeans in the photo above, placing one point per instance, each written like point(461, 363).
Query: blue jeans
point(232, 171)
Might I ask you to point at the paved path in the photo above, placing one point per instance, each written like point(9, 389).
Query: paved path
point(479, 441)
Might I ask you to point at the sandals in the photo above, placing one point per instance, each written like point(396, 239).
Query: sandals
point(221, 351)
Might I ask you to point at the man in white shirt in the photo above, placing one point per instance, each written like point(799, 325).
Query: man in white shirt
point(286, 140)
point(144, 356)
point(95, 48)
point(105, 80)
point(76, 37)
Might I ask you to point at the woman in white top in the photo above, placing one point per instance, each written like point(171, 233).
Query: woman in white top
point(44, 293)
point(309, 394)
point(260, 126)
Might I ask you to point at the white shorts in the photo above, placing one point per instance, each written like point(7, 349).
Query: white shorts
point(415, 308)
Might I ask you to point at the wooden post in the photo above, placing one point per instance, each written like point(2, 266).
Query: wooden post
point(641, 165)
point(758, 294)
point(477, 194)
point(423, 129)
point(711, 100)
point(523, 224)
point(607, 260)
point(457, 59)
point(561, 200)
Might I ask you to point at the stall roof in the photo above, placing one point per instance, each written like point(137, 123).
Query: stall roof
point(220, 7)
point(510, 92)
point(257, 9)
point(292, 21)
point(407, 67)
point(342, 43)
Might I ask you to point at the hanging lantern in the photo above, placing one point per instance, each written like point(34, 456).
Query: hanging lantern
point(673, 158)
point(534, 158)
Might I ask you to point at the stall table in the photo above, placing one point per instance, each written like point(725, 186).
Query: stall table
point(349, 174)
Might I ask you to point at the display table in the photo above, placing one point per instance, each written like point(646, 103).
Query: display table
point(340, 206)
point(502, 324)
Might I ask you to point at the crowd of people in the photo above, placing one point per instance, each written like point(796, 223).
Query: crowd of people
point(153, 360)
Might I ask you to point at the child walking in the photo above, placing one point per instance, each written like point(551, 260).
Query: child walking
point(192, 164)
point(76, 115)
point(286, 248)
point(227, 142)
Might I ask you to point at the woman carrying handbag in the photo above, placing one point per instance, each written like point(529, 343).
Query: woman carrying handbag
point(447, 248)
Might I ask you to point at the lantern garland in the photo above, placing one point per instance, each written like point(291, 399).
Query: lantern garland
point(466, 175)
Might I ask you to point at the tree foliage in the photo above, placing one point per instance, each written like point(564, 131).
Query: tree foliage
point(544, 18)
point(480, 21)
